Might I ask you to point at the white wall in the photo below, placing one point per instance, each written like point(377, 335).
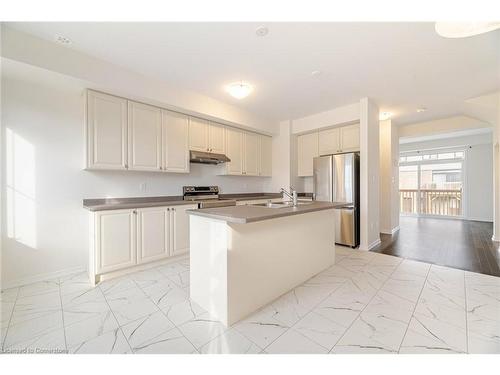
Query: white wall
point(43, 115)
point(441, 126)
point(340, 115)
point(389, 177)
point(101, 75)
point(478, 168)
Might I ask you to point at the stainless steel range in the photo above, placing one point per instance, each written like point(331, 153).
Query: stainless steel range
point(206, 196)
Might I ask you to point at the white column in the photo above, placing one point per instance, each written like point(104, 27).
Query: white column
point(369, 174)
point(389, 177)
point(496, 176)
point(282, 157)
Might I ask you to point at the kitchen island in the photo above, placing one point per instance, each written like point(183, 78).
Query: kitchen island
point(243, 257)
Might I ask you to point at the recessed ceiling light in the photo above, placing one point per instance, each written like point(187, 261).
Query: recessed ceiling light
point(262, 31)
point(384, 116)
point(239, 90)
point(464, 29)
point(63, 40)
point(315, 73)
point(421, 109)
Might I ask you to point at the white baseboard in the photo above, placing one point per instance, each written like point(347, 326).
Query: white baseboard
point(391, 232)
point(41, 277)
point(488, 220)
point(370, 246)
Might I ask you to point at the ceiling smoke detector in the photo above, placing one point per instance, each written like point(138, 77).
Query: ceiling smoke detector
point(261, 31)
point(421, 109)
point(315, 73)
point(63, 40)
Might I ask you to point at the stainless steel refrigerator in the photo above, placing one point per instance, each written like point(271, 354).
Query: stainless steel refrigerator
point(336, 179)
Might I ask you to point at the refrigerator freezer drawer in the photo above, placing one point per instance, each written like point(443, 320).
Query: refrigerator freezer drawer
point(346, 227)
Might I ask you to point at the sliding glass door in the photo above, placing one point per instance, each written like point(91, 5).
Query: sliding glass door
point(431, 183)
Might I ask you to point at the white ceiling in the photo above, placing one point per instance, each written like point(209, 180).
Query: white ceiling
point(402, 66)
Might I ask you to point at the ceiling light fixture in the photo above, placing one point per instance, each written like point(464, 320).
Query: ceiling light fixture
point(239, 90)
point(421, 109)
point(464, 29)
point(315, 73)
point(63, 40)
point(384, 116)
point(261, 31)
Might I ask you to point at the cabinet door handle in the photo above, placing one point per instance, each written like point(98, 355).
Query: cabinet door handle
point(126, 166)
point(134, 212)
point(160, 168)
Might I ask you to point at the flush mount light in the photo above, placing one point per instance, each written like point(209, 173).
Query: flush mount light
point(261, 31)
point(239, 90)
point(63, 40)
point(421, 109)
point(384, 116)
point(464, 29)
point(315, 73)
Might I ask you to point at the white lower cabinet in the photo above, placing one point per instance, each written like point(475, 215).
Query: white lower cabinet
point(179, 229)
point(115, 234)
point(153, 234)
point(126, 238)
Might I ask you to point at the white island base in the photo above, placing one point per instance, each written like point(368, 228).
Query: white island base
point(237, 268)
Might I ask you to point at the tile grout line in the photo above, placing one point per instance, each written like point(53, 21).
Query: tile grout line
point(415, 307)
point(371, 299)
point(10, 319)
point(308, 312)
point(62, 314)
point(466, 317)
point(114, 316)
point(161, 311)
point(333, 291)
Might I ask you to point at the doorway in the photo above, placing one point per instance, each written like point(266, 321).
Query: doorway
point(431, 183)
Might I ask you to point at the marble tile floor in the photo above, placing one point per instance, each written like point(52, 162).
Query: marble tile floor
point(366, 303)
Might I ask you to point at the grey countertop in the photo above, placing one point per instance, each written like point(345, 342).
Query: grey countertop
point(103, 204)
point(250, 213)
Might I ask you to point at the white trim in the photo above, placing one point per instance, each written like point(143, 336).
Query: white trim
point(390, 231)
point(42, 277)
point(486, 219)
point(495, 239)
point(370, 246)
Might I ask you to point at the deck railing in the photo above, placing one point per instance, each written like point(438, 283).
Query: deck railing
point(432, 202)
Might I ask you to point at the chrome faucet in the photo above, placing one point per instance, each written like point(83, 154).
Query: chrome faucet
point(292, 195)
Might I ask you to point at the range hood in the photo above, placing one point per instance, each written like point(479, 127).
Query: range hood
point(207, 158)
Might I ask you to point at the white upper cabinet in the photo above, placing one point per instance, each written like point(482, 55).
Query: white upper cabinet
point(234, 151)
point(307, 150)
point(115, 240)
point(216, 138)
point(144, 135)
point(175, 130)
point(106, 131)
point(266, 156)
point(198, 134)
point(329, 141)
point(180, 229)
point(206, 136)
point(251, 151)
point(349, 138)
point(153, 234)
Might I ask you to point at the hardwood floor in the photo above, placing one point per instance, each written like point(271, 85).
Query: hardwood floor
point(462, 244)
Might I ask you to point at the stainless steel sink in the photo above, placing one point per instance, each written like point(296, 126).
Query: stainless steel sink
point(280, 204)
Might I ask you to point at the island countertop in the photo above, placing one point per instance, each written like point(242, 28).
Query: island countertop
point(251, 213)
